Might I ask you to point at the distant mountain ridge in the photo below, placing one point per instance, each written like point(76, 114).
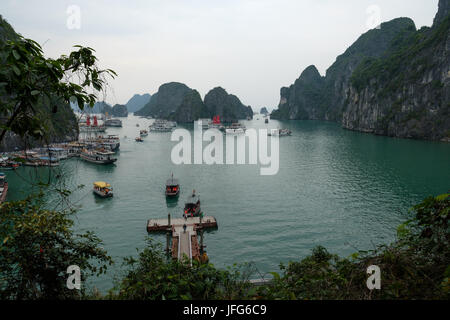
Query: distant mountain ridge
point(137, 102)
point(392, 81)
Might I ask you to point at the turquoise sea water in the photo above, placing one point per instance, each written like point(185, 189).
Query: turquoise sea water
point(344, 190)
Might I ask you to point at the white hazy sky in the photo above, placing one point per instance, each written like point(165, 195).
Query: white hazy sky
point(249, 47)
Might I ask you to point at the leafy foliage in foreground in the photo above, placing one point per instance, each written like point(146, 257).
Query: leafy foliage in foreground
point(37, 246)
point(417, 266)
point(31, 84)
point(158, 277)
point(414, 267)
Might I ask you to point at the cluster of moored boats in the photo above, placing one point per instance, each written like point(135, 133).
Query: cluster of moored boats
point(99, 150)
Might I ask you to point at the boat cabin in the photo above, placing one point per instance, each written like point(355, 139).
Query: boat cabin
point(103, 189)
point(192, 206)
point(172, 187)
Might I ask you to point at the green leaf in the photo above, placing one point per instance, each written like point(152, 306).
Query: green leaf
point(16, 55)
point(35, 92)
point(16, 70)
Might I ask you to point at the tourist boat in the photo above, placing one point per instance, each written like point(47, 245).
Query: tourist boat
point(57, 153)
point(192, 206)
point(172, 187)
point(216, 124)
point(139, 139)
point(113, 123)
point(102, 189)
point(74, 149)
point(161, 125)
point(3, 187)
point(235, 128)
point(7, 164)
point(98, 156)
point(143, 133)
point(280, 132)
point(48, 161)
point(113, 141)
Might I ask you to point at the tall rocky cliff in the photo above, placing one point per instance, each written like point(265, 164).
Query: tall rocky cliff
point(227, 106)
point(166, 101)
point(405, 93)
point(191, 108)
point(392, 81)
point(61, 121)
point(178, 102)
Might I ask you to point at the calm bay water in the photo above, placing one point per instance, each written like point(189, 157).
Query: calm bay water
point(344, 190)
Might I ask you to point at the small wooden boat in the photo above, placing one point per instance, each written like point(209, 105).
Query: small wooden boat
point(192, 206)
point(102, 189)
point(266, 120)
point(137, 124)
point(3, 187)
point(172, 187)
point(143, 133)
point(139, 139)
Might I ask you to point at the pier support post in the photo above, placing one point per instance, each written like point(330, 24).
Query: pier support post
point(201, 242)
point(167, 242)
point(168, 219)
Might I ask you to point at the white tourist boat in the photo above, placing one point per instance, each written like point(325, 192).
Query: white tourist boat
point(57, 153)
point(235, 128)
point(161, 125)
point(113, 122)
point(98, 156)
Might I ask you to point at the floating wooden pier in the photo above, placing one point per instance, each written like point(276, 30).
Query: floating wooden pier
point(184, 234)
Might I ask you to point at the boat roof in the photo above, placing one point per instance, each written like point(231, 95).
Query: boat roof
point(101, 184)
point(172, 182)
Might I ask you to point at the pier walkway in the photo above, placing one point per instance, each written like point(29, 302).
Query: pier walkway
point(184, 241)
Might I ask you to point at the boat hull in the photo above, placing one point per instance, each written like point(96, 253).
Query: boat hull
point(102, 194)
point(101, 161)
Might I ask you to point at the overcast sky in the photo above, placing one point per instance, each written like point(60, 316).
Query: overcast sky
point(250, 48)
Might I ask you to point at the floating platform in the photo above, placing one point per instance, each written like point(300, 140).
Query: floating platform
point(184, 240)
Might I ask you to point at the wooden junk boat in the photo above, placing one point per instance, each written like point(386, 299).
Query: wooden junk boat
point(139, 139)
point(192, 206)
point(172, 187)
point(102, 189)
point(3, 187)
